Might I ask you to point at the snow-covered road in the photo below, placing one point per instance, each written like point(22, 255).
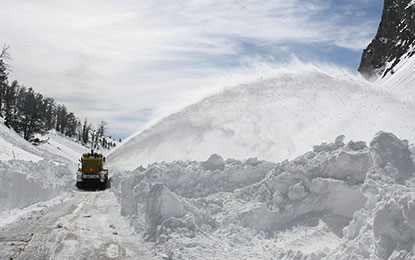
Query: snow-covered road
point(86, 226)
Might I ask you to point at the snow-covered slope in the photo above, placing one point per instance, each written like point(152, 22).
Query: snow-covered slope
point(13, 146)
point(53, 146)
point(273, 119)
point(60, 148)
point(402, 82)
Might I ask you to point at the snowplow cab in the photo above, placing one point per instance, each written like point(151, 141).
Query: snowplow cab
point(91, 172)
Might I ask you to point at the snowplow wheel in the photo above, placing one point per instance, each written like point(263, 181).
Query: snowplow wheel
point(79, 185)
point(103, 185)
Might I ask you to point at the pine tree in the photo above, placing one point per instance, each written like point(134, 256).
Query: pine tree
point(49, 113)
point(102, 127)
point(20, 115)
point(85, 132)
point(10, 110)
point(104, 143)
point(61, 117)
point(3, 84)
point(27, 114)
point(3, 75)
point(72, 125)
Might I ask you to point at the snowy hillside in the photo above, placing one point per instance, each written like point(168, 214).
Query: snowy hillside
point(53, 145)
point(401, 82)
point(339, 201)
point(61, 148)
point(272, 119)
point(13, 146)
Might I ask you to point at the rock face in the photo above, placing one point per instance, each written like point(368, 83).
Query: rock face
point(394, 39)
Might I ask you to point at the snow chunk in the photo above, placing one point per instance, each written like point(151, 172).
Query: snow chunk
point(355, 146)
point(161, 204)
point(329, 147)
point(297, 191)
point(393, 227)
point(215, 162)
point(388, 151)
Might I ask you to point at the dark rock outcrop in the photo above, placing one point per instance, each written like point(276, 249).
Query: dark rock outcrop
point(394, 39)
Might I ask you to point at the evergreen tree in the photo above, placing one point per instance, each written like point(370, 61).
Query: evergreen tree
point(26, 113)
point(49, 113)
point(102, 127)
point(10, 110)
point(72, 125)
point(86, 128)
point(3, 75)
point(61, 117)
point(32, 122)
point(20, 115)
point(104, 143)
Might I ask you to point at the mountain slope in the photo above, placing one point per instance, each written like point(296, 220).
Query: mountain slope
point(273, 119)
point(393, 42)
point(401, 82)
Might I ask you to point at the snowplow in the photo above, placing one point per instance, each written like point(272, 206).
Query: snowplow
point(91, 173)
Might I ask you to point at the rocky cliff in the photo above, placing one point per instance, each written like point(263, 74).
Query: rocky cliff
point(394, 40)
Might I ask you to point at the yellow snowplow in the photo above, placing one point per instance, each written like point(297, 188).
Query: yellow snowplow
point(92, 173)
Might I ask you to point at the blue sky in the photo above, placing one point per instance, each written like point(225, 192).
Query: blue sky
point(150, 58)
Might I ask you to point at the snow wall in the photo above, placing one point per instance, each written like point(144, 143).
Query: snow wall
point(339, 201)
point(30, 174)
point(23, 183)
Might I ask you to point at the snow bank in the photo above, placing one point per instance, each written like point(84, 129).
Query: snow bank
point(24, 182)
point(30, 174)
point(339, 201)
point(272, 119)
point(385, 227)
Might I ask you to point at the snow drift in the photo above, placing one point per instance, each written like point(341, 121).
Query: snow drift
point(272, 119)
point(339, 201)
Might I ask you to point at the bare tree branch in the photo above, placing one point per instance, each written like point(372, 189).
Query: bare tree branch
point(4, 54)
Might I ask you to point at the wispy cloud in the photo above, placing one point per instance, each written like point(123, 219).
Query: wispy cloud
point(134, 55)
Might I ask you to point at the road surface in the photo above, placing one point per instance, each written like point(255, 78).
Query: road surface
point(86, 226)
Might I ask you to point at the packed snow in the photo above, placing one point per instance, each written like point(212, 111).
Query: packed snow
point(24, 182)
point(272, 119)
point(30, 174)
point(339, 201)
